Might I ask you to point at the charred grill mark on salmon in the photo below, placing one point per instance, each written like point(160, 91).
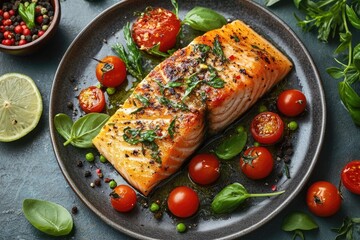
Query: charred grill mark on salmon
point(202, 87)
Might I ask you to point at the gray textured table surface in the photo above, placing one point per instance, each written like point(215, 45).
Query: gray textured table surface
point(28, 168)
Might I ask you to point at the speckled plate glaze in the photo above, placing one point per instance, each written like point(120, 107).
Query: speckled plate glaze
point(77, 65)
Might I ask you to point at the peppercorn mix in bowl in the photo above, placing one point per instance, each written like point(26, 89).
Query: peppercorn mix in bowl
point(26, 25)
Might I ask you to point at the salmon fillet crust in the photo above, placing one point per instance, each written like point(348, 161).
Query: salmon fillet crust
point(202, 87)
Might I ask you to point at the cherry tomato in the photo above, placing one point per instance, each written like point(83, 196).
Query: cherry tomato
point(291, 102)
point(267, 128)
point(204, 169)
point(323, 199)
point(92, 99)
point(156, 26)
point(123, 198)
point(111, 71)
point(183, 202)
point(257, 163)
point(350, 176)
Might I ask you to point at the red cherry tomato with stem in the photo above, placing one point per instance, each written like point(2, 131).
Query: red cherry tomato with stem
point(350, 176)
point(323, 199)
point(123, 198)
point(257, 163)
point(267, 128)
point(291, 102)
point(156, 26)
point(111, 71)
point(92, 99)
point(204, 168)
point(183, 202)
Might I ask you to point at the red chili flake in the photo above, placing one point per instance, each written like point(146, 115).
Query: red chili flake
point(107, 180)
point(99, 173)
point(238, 77)
point(273, 188)
point(232, 57)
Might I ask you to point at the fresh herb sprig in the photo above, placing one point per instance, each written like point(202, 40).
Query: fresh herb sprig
point(146, 138)
point(346, 230)
point(331, 18)
point(27, 14)
point(132, 58)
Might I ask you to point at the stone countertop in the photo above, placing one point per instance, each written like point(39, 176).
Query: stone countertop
point(28, 167)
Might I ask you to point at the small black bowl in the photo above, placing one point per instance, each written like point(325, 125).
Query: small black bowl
point(33, 46)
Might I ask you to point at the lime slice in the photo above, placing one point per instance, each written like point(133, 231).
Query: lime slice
point(20, 106)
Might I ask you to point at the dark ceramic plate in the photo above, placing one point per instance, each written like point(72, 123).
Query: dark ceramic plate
point(76, 71)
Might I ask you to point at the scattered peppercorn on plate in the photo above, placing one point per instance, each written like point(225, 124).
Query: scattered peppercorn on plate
point(20, 106)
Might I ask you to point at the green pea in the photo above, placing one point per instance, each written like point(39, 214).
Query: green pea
point(102, 159)
point(90, 157)
point(112, 184)
point(256, 144)
point(181, 227)
point(292, 125)
point(154, 207)
point(110, 90)
point(262, 108)
point(240, 129)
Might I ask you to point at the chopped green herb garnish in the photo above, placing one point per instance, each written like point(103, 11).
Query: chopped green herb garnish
point(204, 51)
point(155, 50)
point(214, 81)
point(169, 85)
point(191, 83)
point(236, 38)
point(146, 138)
point(144, 100)
point(171, 128)
point(175, 105)
point(217, 49)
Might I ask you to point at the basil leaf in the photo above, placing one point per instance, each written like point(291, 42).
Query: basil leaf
point(351, 101)
point(335, 72)
point(298, 221)
point(28, 14)
point(356, 57)
point(353, 18)
point(231, 146)
point(63, 125)
point(345, 39)
point(86, 128)
point(348, 95)
point(204, 19)
point(230, 198)
point(48, 217)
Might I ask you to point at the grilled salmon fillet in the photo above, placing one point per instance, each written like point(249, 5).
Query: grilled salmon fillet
point(202, 87)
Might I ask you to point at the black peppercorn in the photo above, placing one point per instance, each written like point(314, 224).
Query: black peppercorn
point(87, 173)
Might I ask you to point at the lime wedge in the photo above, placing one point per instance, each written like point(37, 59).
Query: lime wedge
point(20, 106)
